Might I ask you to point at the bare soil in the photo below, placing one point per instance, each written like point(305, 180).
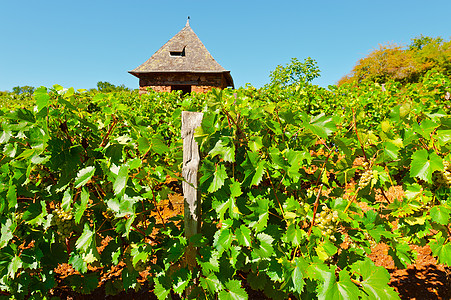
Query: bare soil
point(423, 280)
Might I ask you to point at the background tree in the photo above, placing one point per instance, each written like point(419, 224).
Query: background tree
point(409, 64)
point(432, 53)
point(26, 89)
point(294, 73)
point(106, 87)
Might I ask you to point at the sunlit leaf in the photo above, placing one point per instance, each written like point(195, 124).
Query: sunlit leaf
point(83, 176)
point(121, 179)
point(424, 164)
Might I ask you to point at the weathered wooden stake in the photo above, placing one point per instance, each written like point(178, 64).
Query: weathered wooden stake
point(191, 158)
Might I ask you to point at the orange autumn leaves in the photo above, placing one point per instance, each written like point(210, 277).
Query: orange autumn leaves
point(402, 64)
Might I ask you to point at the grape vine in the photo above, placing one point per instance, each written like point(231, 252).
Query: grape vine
point(293, 182)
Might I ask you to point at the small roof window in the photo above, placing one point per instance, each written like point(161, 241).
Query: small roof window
point(176, 53)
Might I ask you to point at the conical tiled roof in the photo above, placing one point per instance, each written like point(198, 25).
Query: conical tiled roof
point(183, 53)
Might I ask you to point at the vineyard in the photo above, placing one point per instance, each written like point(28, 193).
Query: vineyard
point(294, 184)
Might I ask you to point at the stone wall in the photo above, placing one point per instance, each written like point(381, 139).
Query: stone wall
point(202, 88)
point(156, 88)
point(199, 82)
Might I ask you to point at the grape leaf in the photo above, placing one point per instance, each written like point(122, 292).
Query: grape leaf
point(402, 255)
point(412, 191)
point(330, 288)
point(222, 148)
point(85, 239)
point(254, 169)
point(134, 163)
point(244, 236)
point(258, 175)
point(129, 279)
point(181, 278)
point(67, 198)
point(219, 176)
point(441, 249)
point(11, 196)
point(297, 276)
point(211, 283)
point(443, 136)
point(375, 280)
point(260, 211)
point(78, 263)
point(295, 159)
point(321, 125)
point(7, 232)
point(235, 189)
point(143, 145)
point(33, 211)
point(80, 208)
point(295, 235)
point(426, 128)
point(84, 175)
point(223, 240)
point(440, 214)
point(390, 150)
point(326, 249)
point(275, 271)
point(42, 98)
point(10, 149)
point(233, 291)
point(14, 266)
point(159, 147)
point(265, 248)
point(424, 164)
point(121, 179)
point(6, 135)
point(255, 143)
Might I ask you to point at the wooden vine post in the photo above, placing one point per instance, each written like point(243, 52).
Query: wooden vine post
point(192, 203)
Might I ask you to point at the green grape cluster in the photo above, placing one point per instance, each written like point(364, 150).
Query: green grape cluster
point(327, 222)
point(352, 244)
point(359, 244)
point(64, 222)
point(366, 176)
point(310, 192)
point(443, 178)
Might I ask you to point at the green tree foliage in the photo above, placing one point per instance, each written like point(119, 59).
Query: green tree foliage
point(432, 53)
point(294, 73)
point(420, 42)
point(19, 90)
point(403, 64)
point(106, 87)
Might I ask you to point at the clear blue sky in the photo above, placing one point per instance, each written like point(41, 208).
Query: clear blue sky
point(78, 43)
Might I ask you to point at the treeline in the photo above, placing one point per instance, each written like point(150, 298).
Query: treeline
point(403, 64)
point(102, 86)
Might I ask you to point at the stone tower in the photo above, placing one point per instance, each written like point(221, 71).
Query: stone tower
point(183, 63)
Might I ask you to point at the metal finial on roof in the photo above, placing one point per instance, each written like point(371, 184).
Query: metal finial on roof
point(187, 22)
